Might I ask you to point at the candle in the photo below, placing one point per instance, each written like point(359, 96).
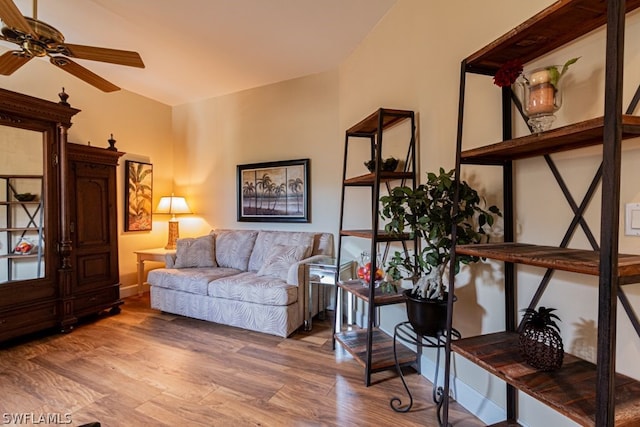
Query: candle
point(541, 93)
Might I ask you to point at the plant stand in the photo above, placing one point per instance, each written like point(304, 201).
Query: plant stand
point(404, 332)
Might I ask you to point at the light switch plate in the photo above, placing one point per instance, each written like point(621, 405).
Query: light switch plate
point(632, 219)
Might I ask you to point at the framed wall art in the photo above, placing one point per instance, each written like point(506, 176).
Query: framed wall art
point(274, 191)
point(138, 196)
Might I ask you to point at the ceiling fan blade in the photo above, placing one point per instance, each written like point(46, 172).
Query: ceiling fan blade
point(102, 54)
point(10, 62)
point(83, 74)
point(11, 16)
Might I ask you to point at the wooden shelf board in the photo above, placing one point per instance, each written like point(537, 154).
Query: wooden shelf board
point(578, 135)
point(382, 236)
point(355, 342)
point(16, 256)
point(369, 179)
point(551, 28)
point(17, 202)
point(575, 260)
point(3, 176)
point(369, 125)
point(570, 390)
point(20, 229)
point(380, 298)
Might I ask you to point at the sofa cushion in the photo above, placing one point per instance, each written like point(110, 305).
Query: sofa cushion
point(267, 239)
point(196, 252)
point(233, 248)
point(280, 259)
point(249, 287)
point(192, 280)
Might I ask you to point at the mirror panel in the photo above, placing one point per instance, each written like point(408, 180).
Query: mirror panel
point(22, 205)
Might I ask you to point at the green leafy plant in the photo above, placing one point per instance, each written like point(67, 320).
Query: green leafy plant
point(427, 213)
point(554, 74)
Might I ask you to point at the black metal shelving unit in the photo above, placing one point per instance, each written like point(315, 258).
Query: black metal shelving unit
point(370, 346)
point(589, 394)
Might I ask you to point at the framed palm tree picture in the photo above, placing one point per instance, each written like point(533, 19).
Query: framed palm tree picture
point(138, 196)
point(274, 191)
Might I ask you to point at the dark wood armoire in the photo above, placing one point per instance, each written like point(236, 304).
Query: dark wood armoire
point(70, 268)
point(95, 282)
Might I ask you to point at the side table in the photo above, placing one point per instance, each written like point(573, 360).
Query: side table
point(155, 254)
point(322, 273)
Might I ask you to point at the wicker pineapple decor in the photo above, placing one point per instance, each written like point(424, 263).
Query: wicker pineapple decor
point(540, 341)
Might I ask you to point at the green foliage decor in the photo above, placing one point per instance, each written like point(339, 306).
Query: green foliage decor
point(427, 213)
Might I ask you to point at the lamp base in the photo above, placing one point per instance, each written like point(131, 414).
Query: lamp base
point(173, 234)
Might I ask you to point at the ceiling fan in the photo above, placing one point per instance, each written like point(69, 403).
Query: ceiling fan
point(37, 39)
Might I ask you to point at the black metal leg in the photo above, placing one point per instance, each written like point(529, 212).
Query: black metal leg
point(438, 391)
point(405, 332)
point(396, 402)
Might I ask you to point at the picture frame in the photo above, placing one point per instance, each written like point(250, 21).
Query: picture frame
point(138, 196)
point(274, 191)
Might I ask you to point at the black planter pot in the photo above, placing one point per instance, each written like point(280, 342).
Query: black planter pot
point(428, 317)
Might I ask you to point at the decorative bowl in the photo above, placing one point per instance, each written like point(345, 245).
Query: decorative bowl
point(388, 165)
point(26, 197)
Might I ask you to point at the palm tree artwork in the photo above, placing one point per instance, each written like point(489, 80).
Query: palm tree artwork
point(272, 190)
point(139, 196)
point(296, 186)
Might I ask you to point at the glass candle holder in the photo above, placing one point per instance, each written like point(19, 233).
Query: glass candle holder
point(540, 92)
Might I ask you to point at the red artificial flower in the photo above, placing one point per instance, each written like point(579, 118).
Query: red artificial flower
point(508, 73)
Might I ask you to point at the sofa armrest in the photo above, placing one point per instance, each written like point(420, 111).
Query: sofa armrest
point(169, 260)
point(295, 275)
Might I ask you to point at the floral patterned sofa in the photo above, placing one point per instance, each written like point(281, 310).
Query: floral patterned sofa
point(251, 279)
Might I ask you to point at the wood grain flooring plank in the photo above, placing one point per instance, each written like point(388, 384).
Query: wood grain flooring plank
point(147, 368)
point(104, 381)
point(165, 377)
point(172, 411)
point(111, 412)
point(51, 389)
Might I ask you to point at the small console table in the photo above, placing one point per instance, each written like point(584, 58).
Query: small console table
point(322, 273)
point(155, 254)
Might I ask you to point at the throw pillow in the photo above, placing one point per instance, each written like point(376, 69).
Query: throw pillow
point(233, 248)
point(267, 239)
point(280, 259)
point(196, 252)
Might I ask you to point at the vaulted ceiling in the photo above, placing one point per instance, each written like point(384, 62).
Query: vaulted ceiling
point(198, 49)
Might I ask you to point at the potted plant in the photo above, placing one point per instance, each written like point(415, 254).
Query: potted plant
point(426, 213)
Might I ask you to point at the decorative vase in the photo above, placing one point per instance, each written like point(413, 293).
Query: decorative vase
point(540, 92)
point(542, 347)
point(428, 317)
point(364, 269)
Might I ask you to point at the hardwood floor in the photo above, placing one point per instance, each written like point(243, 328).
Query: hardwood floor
point(146, 368)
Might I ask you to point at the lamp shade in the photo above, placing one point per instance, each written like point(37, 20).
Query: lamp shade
point(173, 205)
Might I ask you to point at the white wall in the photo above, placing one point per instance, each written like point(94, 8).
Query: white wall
point(284, 121)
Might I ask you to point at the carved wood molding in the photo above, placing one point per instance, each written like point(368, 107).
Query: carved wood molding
point(17, 107)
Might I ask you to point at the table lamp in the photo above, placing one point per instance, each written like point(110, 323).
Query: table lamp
point(173, 206)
